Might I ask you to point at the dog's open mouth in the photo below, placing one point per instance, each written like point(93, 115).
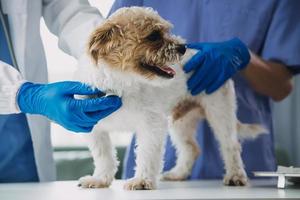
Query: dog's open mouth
point(165, 71)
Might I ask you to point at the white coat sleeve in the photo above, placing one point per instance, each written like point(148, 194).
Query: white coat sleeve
point(10, 82)
point(72, 21)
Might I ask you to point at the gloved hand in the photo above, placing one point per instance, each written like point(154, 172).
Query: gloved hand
point(56, 101)
point(214, 64)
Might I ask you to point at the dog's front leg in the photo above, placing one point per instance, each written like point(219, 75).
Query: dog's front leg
point(149, 155)
point(105, 160)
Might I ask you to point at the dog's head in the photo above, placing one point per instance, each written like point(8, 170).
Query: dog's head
point(137, 41)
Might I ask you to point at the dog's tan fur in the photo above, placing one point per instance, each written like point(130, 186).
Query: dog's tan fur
point(123, 42)
point(185, 106)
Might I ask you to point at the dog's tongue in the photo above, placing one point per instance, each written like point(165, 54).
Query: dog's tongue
point(168, 70)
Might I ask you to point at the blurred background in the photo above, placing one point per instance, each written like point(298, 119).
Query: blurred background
point(72, 156)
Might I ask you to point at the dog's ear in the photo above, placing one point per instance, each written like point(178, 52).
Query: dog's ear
point(103, 40)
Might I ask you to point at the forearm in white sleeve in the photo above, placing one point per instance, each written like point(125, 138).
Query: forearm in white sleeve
point(72, 21)
point(10, 82)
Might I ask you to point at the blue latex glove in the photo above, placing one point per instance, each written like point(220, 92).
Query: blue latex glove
point(214, 64)
point(56, 101)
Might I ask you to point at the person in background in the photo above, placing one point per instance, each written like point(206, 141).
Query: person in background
point(25, 147)
point(271, 30)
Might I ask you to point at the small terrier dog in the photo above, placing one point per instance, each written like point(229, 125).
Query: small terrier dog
point(133, 55)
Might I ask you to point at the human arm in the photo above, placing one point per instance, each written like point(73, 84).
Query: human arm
point(280, 47)
point(268, 78)
point(55, 101)
point(268, 73)
point(10, 82)
point(215, 63)
point(72, 22)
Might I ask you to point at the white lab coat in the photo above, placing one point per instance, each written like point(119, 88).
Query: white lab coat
point(72, 21)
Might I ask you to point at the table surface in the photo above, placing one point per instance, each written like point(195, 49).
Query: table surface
point(209, 189)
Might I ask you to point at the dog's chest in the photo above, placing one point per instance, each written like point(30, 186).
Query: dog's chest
point(136, 111)
point(127, 118)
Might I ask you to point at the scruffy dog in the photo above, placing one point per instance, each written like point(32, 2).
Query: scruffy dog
point(133, 55)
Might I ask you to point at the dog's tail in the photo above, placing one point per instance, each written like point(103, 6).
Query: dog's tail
point(250, 131)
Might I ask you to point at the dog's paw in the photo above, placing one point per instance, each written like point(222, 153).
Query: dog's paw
point(93, 182)
point(173, 176)
point(139, 184)
point(236, 179)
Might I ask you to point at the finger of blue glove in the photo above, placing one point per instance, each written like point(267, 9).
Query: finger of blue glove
point(73, 87)
point(75, 127)
point(206, 81)
point(217, 83)
point(85, 129)
point(98, 115)
point(198, 75)
point(83, 120)
point(93, 117)
point(98, 104)
point(196, 61)
point(78, 128)
point(91, 120)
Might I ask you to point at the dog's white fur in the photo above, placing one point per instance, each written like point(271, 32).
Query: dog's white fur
point(146, 111)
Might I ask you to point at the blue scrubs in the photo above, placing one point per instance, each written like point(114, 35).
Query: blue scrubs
point(270, 28)
point(17, 162)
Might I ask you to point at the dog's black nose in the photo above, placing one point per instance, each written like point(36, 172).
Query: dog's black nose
point(181, 49)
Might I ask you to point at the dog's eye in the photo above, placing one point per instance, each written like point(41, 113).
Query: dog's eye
point(154, 36)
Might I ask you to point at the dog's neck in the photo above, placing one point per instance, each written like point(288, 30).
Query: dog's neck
point(111, 81)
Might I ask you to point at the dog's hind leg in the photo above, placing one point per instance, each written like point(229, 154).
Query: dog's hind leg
point(105, 161)
point(182, 129)
point(220, 112)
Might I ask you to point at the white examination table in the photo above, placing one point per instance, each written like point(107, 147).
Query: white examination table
point(64, 190)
